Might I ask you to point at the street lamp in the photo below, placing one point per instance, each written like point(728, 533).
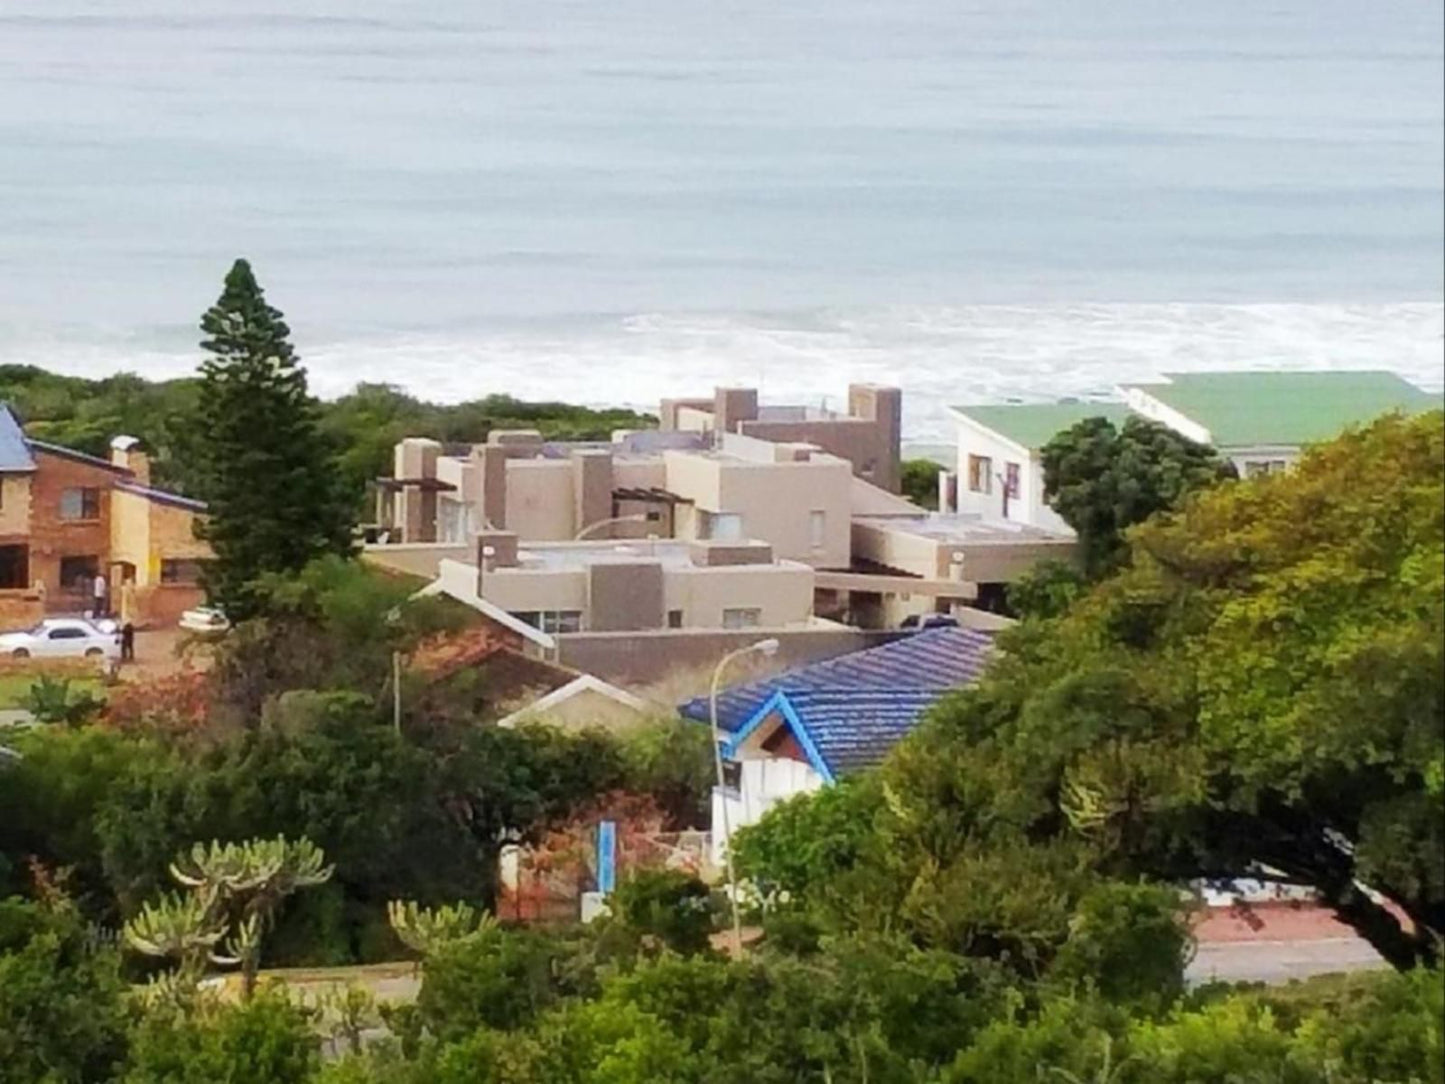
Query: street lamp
point(766, 647)
point(638, 517)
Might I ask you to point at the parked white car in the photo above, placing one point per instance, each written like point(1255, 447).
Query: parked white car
point(63, 638)
point(204, 619)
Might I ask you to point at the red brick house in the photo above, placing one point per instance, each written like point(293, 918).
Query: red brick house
point(65, 516)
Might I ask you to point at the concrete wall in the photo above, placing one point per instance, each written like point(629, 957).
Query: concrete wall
point(642, 658)
point(694, 420)
point(776, 500)
point(625, 595)
point(591, 489)
point(783, 594)
point(521, 590)
point(540, 504)
point(417, 559)
point(909, 553)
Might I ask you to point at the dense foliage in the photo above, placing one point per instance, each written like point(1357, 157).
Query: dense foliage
point(363, 425)
point(1257, 686)
point(919, 481)
point(1103, 480)
point(296, 737)
point(1262, 687)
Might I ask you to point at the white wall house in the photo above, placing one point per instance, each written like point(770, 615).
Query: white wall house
point(999, 475)
point(1260, 421)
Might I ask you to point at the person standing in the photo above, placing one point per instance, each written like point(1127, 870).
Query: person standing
point(127, 620)
point(99, 590)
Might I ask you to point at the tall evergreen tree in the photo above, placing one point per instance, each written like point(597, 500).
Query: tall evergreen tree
point(269, 475)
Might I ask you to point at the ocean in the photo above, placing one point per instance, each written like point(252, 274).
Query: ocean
point(611, 202)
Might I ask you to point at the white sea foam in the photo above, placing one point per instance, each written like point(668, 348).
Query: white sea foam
point(939, 356)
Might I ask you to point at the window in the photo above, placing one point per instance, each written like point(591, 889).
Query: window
point(817, 529)
point(80, 503)
point(454, 520)
point(721, 526)
point(1011, 479)
point(78, 573)
point(674, 619)
point(1257, 468)
point(744, 617)
point(67, 632)
point(562, 621)
point(980, 474)
point(14, 567)
point(180, 571)
point(529, 617)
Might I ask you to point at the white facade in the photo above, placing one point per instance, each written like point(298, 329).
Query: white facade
point(986, 462)
point(763, 782)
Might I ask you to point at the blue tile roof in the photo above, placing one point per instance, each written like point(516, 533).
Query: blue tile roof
point(14, 449)
point(849, 711)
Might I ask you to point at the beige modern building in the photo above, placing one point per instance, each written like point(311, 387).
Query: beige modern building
point(678, 486)
point(629, 586)
point(936, 563)
point(868, 436)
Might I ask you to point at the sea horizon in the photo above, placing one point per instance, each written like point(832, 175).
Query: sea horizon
point(608, 205)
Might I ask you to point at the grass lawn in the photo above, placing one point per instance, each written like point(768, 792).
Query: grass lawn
point(15, 685)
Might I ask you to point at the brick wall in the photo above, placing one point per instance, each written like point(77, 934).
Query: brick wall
point(20, 610)
point(52, 538)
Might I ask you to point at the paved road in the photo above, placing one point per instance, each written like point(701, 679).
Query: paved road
point(1280, 961)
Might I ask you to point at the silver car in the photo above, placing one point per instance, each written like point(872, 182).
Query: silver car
point(63, 638)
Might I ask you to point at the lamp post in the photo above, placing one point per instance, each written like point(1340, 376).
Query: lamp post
point(766, 647)
point(637, 517)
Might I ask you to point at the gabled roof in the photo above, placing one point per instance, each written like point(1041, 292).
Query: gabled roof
point(914, 669)
point(15, 457)
point(1032, 425)
point(162, 496)
point(583, 683)
point(842, 731)
point(1285, 409)
point(46, 448)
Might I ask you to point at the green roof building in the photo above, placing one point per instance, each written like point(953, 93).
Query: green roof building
point(1259, 420)
point(1283, 411)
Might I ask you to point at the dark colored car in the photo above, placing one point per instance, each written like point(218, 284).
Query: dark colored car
point(918, 622)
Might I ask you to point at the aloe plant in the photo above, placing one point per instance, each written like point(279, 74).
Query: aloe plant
point(424, 929)
point(234, 892)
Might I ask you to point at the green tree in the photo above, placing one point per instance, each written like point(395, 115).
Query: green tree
point(269, 477)
point(1103, 480)
point(1046, 590)
point(919, 481)
point(62, 1016)
point(1263, 686)
point(266, 1040)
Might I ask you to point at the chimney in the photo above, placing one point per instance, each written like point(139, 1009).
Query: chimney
point(126, 452)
